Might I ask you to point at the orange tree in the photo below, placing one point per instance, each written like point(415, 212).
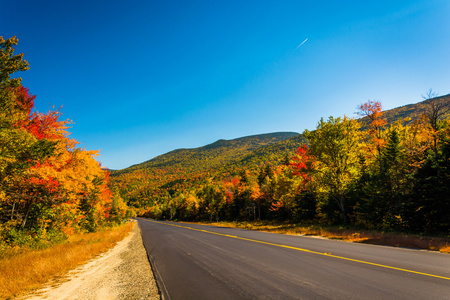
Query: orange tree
point(49, 188)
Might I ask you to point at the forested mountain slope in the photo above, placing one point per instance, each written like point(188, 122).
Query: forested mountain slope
point(412, 111)
point(256, 150)
point(376, 176)
point(219, 153)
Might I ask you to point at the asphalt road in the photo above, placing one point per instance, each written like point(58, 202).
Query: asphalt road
point(207, 262)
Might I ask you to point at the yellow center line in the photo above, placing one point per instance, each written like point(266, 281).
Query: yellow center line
point(305, 250)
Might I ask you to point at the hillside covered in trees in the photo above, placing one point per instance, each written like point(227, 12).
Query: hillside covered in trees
point(49, 188)
point(386, 170)
point(219, 153)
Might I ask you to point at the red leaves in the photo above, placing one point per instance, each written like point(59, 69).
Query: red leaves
point(50, 185)
point(373, 110)
point(42, 126)
point(276, 205)
point(229, 196)
point(47, 126)
point(302, 162)
point(24, 100)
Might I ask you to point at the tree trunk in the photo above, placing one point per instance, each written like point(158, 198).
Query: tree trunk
point(344, 215)
point(341, 204)
point(26, 214)
point(12, 211)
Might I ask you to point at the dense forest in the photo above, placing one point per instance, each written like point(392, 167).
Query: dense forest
point(386, 170)
point(49, 188)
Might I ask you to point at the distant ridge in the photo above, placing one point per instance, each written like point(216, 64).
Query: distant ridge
point(255, 150)
point(219, 153)
point(413, 111)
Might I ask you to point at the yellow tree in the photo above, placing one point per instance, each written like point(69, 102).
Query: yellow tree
point(285, 192)
point(335, 144)
point(40, 167)
point(373, 111)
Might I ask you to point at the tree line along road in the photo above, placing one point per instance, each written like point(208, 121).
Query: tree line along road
point(208, 262)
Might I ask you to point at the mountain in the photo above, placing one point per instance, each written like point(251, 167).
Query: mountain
point(225, 158)
point(413, 111)
point(273, 153)
point(221, 153)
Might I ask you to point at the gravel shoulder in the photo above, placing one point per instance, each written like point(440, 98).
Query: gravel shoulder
point(123, 272)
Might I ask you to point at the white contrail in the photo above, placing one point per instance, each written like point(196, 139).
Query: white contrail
point(301, 44)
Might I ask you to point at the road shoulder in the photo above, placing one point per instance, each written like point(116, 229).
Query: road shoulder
point(121, 273)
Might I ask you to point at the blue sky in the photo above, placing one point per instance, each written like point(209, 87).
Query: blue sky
point(141, 78)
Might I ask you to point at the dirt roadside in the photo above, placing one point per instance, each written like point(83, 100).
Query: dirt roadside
point(121, 273)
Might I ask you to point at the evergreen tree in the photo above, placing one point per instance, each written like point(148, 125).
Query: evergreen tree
point(429, 206)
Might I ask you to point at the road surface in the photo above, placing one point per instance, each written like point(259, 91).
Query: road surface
point(207, 262)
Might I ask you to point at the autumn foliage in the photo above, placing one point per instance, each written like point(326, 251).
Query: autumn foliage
point(49, 188)
point(381, 172)
point(367, 172)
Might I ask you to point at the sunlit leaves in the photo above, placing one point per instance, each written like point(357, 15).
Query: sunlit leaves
point(46, 183)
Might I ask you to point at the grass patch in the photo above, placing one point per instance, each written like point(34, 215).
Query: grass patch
point(26, 270)
point(352, 235)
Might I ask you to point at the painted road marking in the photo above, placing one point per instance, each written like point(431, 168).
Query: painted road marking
point(306, 250)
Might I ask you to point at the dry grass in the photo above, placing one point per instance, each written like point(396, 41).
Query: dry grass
point(29, 270)
point(351, 235)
